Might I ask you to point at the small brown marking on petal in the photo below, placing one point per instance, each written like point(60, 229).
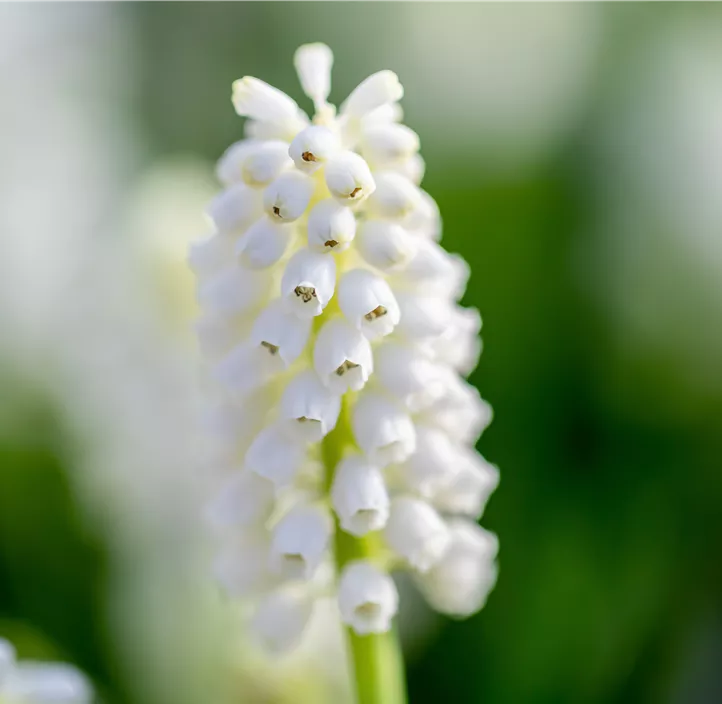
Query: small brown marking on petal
point(377, 312)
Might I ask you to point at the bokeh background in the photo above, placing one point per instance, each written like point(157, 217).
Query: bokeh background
point(576, 154)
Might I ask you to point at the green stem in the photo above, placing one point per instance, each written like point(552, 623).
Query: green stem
point(376, 660)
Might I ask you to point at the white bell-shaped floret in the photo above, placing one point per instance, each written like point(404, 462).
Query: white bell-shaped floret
point(422, 317)
point(234, 210)
point(263, 244)
point(216, 335)
point(459, 583)
point(281, 334)
point(243, 369)
point(313, 64)
point(299, 541)
point(460, 411)
point(431, 264)
point(349, 178)
point(425, 219)
point(413, 169)
point(281, 618)
point(376, 90)
point(367, 598)
point(313, 147)
point(408, 374)
point(368, 303)
point(395, 196)
point(287, 198)
point(460, 345)
point(229, 169)
point(234, 291)
point(382, 430)
point(308, 283)
point(416, 533)
point(342, 357)
point(310, 408)
point(230, 427)
point(385, 245)
point(241, 565)
point(432, 463)
point(275, 456)
point(331, 227)
point(265, 162)
point(359, 496)
point(243, 499)
point(467, 488)
point(210, 255)
point(256, 99)
point(385, 145)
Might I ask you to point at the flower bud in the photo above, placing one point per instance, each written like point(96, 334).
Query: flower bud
point(388, 144)
point(416, 533)
point(349, 178)
point(425, 219)
point(459, 583)
point(256, 99)
point(313, 64)
point(342, 357)
point(385, 245)
point(234, 210)
point(331, 227)
point(384, 432)
point(310, 409)
point(288, 196)
point(265, 162)
point(263, 244)
point(313, 147)
point(431, 464)
point(281, 618)
point(395, 196)
point(299, 541)
point(413, 169)
point(409, 375)
point(466, 489)
point(460, 412)
point(282, 335)
point(229, 169)
point(275, 456)
point(378, 89)
point(308, 283)
point(367, 598)
point(359, 496)
point(431, 264)
point(421, 317)
point(368, 303)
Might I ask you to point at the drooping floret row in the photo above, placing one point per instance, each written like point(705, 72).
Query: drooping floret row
point(326, 300)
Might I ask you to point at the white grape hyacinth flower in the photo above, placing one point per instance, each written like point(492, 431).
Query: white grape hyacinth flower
point(32, 682)
point(336, 350)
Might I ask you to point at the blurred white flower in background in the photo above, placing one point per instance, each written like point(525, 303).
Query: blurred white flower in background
point(34, 682)
point(656, 259)
point(515, 83)
point(96, 303)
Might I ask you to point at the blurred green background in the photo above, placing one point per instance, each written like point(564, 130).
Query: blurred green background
point(576, 155)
